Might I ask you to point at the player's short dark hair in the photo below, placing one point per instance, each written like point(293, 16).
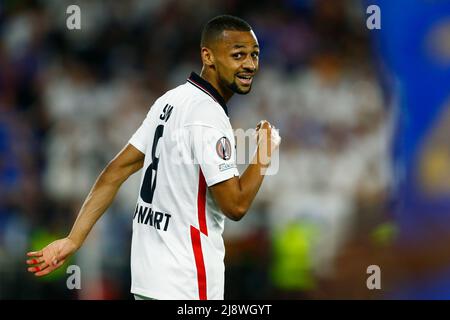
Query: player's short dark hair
point(214, 28)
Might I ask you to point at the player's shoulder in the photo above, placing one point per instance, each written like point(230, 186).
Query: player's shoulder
point(207, 104)
point(188, 95)
point(199, 107)
point(175, 96)
point(204, 110)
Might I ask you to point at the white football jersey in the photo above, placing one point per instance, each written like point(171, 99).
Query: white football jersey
point(177, 248)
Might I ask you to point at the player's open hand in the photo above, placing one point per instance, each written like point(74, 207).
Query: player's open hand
point(50, 258)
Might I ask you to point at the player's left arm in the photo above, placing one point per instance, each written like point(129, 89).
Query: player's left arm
point(128, 161)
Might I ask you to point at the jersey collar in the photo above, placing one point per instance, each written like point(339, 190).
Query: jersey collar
point(207, 88)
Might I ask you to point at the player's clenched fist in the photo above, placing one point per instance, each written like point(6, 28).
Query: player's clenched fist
point(50, 258)
point(268, 140)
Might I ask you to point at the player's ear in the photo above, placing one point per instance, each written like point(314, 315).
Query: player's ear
point(207, 56)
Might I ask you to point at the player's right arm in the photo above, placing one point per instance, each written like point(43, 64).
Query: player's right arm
point(128, 161)
point(235, 196)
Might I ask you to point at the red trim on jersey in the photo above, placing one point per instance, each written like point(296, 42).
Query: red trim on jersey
point(201, 204)
point(199, 262)
point(196, 236)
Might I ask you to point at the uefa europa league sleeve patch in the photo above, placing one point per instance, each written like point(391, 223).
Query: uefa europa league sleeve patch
point(223, 148)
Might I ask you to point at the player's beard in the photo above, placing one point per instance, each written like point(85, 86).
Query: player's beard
point(235, 88)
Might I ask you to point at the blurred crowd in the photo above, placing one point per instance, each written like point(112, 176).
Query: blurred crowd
point(71, 99)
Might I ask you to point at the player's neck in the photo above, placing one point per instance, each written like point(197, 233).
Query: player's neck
point(212, 79)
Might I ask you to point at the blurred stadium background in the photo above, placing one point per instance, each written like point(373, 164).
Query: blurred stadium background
point(364, 173)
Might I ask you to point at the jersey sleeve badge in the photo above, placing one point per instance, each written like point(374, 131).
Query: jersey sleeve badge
point(223, 148)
